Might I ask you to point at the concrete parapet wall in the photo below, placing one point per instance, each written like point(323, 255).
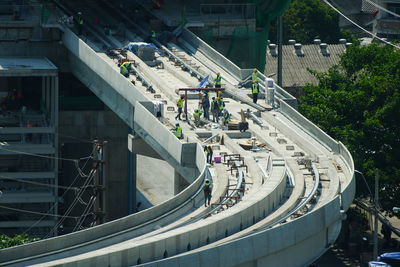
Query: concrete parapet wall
point(348, 190)
point(161, 135)
point(289, 244)
point(122, 89)
point(211, 53)
point(309, 127)
point(244, 214)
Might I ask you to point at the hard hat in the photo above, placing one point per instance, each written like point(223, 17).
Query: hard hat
point(254, 70)
point(177, 124)
point(182, 96)
point(218, 73)
point(79, 13)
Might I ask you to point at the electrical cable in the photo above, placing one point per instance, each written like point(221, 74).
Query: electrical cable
point(382, 8)
point(35, 155)
point(56, 203)
point(37, 183)
point(75, 138)
point(358, 26)
point(75, 201)
point(85, 213)
point(35, 212)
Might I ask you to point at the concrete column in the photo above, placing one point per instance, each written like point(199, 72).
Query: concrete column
point(132, 173)
point(179, 183)
point(55, 125)
point(48, 99)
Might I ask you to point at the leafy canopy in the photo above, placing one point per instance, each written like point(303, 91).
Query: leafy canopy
point(358, 103)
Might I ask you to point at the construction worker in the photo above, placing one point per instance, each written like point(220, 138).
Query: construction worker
point(221, 105)
point(124, 68)
point(226, 116)
point(178, 131)
point(217, 80)
point(254, 76)
point(153, 34)
point(215, 109)
point(255, 90)
point(196, 116)
point(209, 152)
point(80, 23)
point(179, 104)
point(205, 103)
point(207, 188)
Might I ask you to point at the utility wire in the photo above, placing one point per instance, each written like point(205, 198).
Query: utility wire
point(358, 26)
point(382, 8)
point(56, 203)
point(75, 201)
point(35, 155)
point(41, 184)
point(35, 212)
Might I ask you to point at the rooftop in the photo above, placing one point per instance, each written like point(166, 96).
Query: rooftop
point(26, 66)
point(295, 64)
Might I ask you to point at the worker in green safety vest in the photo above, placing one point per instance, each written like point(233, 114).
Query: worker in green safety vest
point(196, 116)
point(221, 105)
point(255, 90)
point(124, 68)
point(217, 80)
point(254, 76)
point(178, 131)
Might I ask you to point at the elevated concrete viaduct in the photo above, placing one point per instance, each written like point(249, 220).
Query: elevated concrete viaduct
point(252, 232)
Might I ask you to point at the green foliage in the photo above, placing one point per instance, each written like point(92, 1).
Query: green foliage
point(8, 241)
point(306, 20)
point(358, 103)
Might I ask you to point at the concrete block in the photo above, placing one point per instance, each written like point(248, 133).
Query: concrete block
point(182, 241)
point(115, 259)
point(171, 244)
point(210, 258)
point(160, 250)
point(192, 260)
point(133, 255)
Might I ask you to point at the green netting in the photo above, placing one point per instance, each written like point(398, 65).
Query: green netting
point(247, 45)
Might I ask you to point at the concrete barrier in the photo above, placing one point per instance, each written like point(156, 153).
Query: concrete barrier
point(111, 87)
point(191, 236)
point(349, 189)
point(210, 53)
point(289, 244)
point(309, 127)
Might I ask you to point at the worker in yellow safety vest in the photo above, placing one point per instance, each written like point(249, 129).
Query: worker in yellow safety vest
point(254, 76)
point(178, 131)
point(196, 116)
point(221, 105)
point(218, 80)
point(255, 90)
point(179, 104)
point(124, 68)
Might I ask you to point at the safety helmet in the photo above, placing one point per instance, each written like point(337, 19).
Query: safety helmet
point(218, 73)
point(79, 13)
point(182, 96)
point(254, 70)
point(177, 124)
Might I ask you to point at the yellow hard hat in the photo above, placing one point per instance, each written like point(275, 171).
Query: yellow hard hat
point(217, 73)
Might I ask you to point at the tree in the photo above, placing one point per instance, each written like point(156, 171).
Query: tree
point(306, 20)
point(358, 103)
point(8, 241)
